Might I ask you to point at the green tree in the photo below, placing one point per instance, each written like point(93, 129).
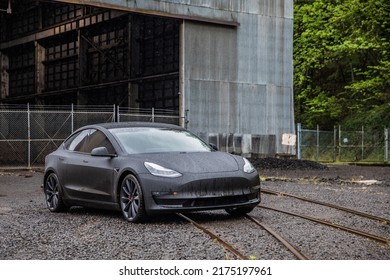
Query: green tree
point(341, 61)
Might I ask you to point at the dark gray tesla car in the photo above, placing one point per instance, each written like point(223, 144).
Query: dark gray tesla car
point(144, 169)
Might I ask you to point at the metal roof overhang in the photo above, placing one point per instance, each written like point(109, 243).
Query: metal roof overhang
point(111, 5)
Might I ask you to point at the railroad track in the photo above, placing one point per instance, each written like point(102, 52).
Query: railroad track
point(298, 254)
point(328, 223)
point(230, 247)
point(352, 211)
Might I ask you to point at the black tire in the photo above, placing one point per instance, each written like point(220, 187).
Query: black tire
point(239, 211)
point(53, 194)
point(131, 200)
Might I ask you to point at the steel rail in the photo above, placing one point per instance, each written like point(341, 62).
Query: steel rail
point(350, 230)
point(359, 213)
point(286, 243)
point(234, 251)
point(226, 245)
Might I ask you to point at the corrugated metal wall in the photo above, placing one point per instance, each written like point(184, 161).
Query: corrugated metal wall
point(237, 80)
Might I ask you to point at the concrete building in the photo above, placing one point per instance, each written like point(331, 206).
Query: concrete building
point(224, 64)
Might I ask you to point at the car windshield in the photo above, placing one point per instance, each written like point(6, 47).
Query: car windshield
point(139, 140)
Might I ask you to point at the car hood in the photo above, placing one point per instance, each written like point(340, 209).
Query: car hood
point(198, 162)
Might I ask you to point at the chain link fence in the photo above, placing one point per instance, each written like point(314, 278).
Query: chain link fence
point(28, 133)
point(365, 145)
point(147, 115)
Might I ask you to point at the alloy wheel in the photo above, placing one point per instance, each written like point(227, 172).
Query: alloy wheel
point(131, 199)
point(53, 194)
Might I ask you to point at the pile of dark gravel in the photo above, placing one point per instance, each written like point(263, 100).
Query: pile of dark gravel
point(286, 164)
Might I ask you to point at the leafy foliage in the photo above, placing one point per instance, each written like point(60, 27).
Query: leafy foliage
point(341, 61)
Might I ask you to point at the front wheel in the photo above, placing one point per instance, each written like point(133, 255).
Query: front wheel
point(239, 211)
point(131, 200)
point(53, 195)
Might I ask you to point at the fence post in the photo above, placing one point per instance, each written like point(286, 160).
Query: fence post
point(334, 143)
point(318, 142)
point(72, 118)
point(28, 137)
point(386, 144)
point(362, 142)
point(299, 141)
point(339, 142)
point(113, 113)
point(153, 114)
point(118, 118)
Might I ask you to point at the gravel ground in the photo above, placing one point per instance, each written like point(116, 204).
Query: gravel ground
point(29, 231)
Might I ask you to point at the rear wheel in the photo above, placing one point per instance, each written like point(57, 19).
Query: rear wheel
point(53, 195)
point(239, 211)
point(131, 200)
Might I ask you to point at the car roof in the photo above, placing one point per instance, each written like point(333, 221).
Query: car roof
point(135, 124)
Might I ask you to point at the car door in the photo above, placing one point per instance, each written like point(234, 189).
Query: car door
point(89, 177)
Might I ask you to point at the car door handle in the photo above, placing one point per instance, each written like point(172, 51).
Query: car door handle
point(61, 159)
point(85, 161)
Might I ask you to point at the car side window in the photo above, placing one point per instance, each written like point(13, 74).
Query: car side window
point(86, 140)
point(77, 141)
point(96, 139)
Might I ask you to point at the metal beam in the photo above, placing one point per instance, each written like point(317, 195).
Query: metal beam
point(9, 9)
point(107, 5)
point(106, 57)
point(59, 29)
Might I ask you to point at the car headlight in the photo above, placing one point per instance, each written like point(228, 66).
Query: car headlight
point(248, 167)
point(158, 170)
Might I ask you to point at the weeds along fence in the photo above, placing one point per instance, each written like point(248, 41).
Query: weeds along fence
point(28, 133)
point(364, 145)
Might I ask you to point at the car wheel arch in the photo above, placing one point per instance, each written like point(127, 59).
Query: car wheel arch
point(47, 174)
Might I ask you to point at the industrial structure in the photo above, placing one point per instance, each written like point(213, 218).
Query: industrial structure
point(226, 66)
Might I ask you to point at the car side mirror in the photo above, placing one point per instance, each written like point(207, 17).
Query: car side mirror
point(101, 152)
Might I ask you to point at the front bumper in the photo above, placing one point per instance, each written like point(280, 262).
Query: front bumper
point(196, 192)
